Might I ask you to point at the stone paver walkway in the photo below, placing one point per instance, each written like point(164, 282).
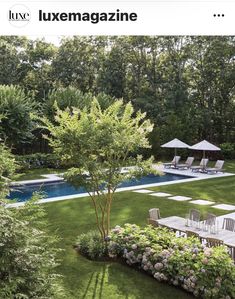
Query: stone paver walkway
point(161, 194)
point(143, 191)
point(224, 207)
point(202, 202)
point(180, 198)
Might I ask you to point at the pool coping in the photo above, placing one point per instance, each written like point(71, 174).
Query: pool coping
point(192, 177)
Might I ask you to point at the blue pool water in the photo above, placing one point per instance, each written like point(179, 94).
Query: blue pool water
point(55, 189)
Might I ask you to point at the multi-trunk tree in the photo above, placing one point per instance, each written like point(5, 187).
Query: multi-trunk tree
point(99, 143)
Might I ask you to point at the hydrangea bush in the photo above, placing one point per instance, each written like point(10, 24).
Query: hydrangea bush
point(183, 262)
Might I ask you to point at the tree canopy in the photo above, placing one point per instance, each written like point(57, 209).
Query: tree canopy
point(185, 84)
point(15, 107)
point(99, 142)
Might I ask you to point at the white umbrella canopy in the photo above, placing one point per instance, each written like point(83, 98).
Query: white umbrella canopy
point(205, 146)
point(175, 143)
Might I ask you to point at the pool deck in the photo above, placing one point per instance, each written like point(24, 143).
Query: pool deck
point(192, 177)
point(48, 178)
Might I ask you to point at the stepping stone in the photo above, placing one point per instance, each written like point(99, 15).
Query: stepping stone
point(180, 198)
point(161, 194)
point(224, 207)
point(202, 202)
point(143, 191)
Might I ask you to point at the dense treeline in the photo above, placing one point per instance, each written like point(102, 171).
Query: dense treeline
point(185, 84)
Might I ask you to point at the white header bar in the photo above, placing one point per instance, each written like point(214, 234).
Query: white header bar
point(152, 18)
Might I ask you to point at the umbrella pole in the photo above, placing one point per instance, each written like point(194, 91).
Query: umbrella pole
point(204, 156)
point(175, 156)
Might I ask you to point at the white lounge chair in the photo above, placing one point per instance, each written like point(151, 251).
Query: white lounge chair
point(188, 163)
point(201, 166)
point(218, 167)
point(173, 163)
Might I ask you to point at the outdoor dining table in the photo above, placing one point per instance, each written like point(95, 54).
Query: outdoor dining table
point(173, 222)
point(179, 224)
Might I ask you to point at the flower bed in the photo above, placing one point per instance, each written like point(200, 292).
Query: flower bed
point(183, 262)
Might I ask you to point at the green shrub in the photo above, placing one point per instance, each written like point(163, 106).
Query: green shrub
point(183, 262)
point(7, 169)
point(38, 160)
point(16, 124)
point(228, 150)
point(91, 245)
point(28, 256)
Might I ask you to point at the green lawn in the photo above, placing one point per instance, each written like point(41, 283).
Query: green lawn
point(87, 279)
point(98, 280)
point(221, 190)
point(35, 174)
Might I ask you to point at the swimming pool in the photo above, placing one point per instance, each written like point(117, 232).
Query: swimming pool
point(56, 189)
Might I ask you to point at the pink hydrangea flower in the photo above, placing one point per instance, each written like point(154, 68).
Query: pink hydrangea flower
point(158, 266)
point(205, 261)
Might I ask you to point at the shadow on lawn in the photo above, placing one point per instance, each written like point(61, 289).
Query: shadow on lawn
point(139, 286)
point(96, 282)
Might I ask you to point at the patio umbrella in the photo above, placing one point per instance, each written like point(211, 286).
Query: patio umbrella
point(175, 143)
point(205, 146)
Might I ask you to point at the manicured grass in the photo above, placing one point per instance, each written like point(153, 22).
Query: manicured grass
point(229, 166)
point(87, 279)
point(34, 174)
point(221, 190)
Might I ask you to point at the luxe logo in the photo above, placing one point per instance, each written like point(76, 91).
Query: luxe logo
point(19, 15)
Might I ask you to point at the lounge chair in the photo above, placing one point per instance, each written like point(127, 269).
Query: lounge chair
point(188, 163)
point(201, 166)
point(173, 163)
point(218, 167)
point(154, 215)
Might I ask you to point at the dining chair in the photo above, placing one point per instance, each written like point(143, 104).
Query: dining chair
point(153, 222)
point(190, 233)
point(154, 215)
point(194, 217)
point(210, 219)
point(213, 242)
point(229, 224)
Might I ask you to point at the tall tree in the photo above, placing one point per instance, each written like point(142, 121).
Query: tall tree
point(15, 108)
point(112, 74)
point(99, 142)
point(69, 97)
point(38, 78)
point(12, 51)
point(212, 86)
point(78, 61)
